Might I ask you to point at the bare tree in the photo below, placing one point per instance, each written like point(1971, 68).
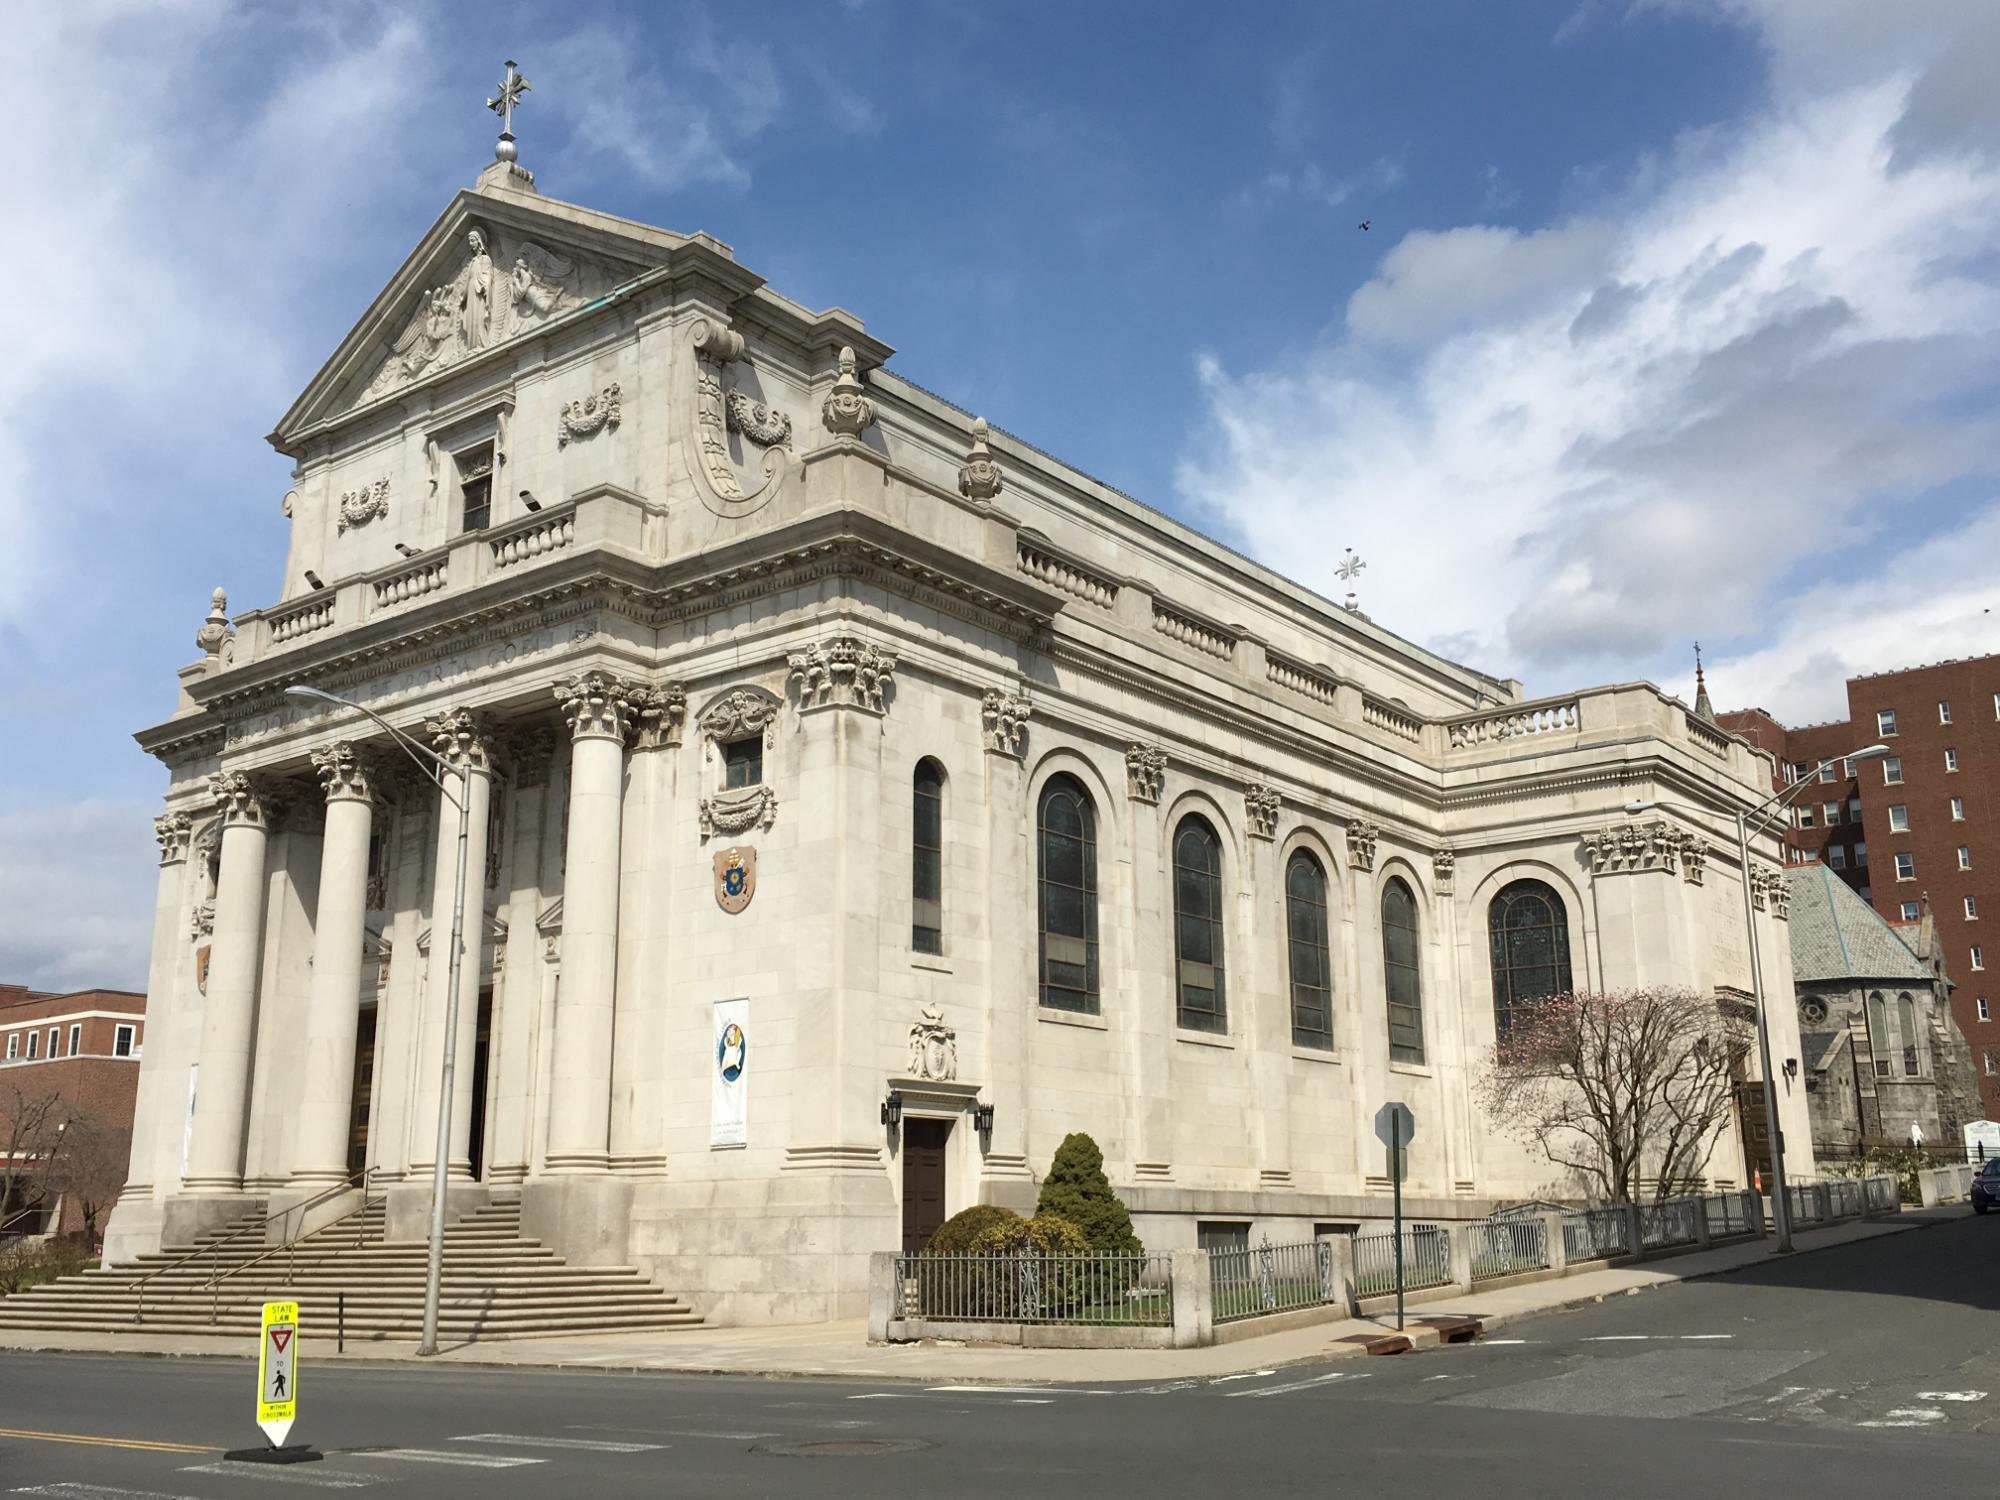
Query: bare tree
point(89, 1167)
point(33, 1121)
point(1617, 1087)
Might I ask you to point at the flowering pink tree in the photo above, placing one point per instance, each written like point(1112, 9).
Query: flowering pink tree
point(1617, 1086)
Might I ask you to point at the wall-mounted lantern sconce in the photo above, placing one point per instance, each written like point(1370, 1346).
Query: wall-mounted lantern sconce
point(1791, 1067)
point(892, 1111)
point(982, 1118)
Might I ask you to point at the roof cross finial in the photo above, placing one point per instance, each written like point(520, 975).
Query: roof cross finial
point(1348, 570)
point(512, 87)
point(1702, 707)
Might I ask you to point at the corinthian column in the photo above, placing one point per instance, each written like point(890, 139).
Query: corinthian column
point(169, 942)
point(600, 711)
point(333, 1006)
point(466, 744)
point(222, 1088)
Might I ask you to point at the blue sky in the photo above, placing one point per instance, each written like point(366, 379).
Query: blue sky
point(1676, 318)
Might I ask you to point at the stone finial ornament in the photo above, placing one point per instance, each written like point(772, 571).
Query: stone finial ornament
point(980, 478)
point(848, 411)
point(215, 629)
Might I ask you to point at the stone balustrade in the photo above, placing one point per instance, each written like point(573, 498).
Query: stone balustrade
point(535, 536)
point(1303, 680)
point(1177, 625)
point(296, 621)
point(1044, 565)
point(427, 577)
point(1552, 716)
point(1392, 719)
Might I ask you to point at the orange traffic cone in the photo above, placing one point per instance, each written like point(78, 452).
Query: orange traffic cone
point(1757, 1178)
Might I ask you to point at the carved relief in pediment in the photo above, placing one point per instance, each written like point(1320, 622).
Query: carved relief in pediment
point(501, 287)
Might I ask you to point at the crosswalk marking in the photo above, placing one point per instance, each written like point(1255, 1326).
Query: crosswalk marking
point(307, 1474)
point(1296, 1385)
point(470, 1460)
point(588, 1445)
point(71, 1491)
point(1951, 1395)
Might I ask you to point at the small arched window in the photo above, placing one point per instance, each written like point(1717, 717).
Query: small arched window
point(1402, 972)
point(1312, 969)
point(927, 858)
point(1906, 1019)
point(1880, 1047)
point(1528, 936)
point(1198, 926)
point(1066, 868)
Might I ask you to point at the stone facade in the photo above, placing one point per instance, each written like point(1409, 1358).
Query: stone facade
point(686, 584)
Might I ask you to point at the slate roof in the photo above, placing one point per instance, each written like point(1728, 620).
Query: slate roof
point(1819, 1048)
point(1837, 935)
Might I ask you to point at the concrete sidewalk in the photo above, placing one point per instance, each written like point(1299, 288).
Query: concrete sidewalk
point(840, 1349)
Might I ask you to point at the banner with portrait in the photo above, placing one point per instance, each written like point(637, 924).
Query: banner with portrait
point(728, 1115)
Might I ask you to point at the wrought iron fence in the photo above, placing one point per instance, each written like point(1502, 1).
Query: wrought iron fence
point(1426, 1261)
point(1803, 1200)
point(1668, 1223)
point(1508, 1247)
point(1596, 1234)
point(1030, 1286)
point(1728, 1213)
point(1270, 1279)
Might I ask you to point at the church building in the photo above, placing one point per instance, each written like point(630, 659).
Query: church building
point(859, 800)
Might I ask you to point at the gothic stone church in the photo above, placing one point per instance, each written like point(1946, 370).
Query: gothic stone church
point(983, 801)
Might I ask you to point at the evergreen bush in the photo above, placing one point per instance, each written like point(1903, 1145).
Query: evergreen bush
point(956, 1234)
point(1076, 1189)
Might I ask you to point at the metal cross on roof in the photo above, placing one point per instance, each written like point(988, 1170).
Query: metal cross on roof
point(1350, 567)
point(512, 87)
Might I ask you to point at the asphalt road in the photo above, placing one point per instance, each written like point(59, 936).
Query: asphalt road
point(1868, 1370)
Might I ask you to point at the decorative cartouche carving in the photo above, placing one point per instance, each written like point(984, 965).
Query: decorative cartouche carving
point(478, 308)
point(359, 507)
point(591, 414)
point(343, 773)
point(1145, 771)
point(843, 670)
point(240, 800)
point(660, 711)
point(1633, 848)
point(173, 830)
point(597, 705)
point(933, 1047)
point(1006, 719)
point(980, 478)
point(737, 715)
point(462, 739)
point(1261, 805)
point(1361, 838)
point(738, 810)
point(764, 425)
point(216, 628)
point(1444, 868)
point(847, 411)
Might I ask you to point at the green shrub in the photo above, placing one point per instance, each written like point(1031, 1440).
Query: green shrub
point(1076, 1189)
point(956, 1234)
point(30, 1263)
point(1045, 1233)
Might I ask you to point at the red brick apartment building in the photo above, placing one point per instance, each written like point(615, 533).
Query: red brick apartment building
point(1922, 825)
point(85, 1045)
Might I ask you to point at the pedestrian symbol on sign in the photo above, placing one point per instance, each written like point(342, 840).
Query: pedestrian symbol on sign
point(278, 1371)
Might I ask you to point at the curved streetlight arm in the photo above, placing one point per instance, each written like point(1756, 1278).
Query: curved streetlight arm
point(438, 770)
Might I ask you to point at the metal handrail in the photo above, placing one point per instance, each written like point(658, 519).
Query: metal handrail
point(290, 1247)
point(215, 1248)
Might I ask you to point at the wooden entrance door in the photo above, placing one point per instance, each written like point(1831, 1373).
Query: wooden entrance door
point(364, 1091)
point(1756, 1130)
point(482, 1044)
point(923, 1181)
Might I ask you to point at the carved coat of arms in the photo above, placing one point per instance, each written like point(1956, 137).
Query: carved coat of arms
point(735, 878)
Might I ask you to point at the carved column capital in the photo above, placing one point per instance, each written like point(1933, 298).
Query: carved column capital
point(660, 712)
point(1361, 838)
point(242, 800)
point(597, 705)
point(1444, 869)
point(1005, 717)
point(462, 739)
point(1145, 772)
point(1261, 805)
point(844, 671)
point(173, 830)
point(848, 412)
point(344, 774)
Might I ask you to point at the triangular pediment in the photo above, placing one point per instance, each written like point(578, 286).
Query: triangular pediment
point(496, 267)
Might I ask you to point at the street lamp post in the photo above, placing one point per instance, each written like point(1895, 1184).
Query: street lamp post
point(1781, 1212)
point(438, 769)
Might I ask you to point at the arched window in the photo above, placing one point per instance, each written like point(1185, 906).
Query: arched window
point(1906, 1019)
point(927, 858)
point(1312, 971)
point(1879, 1045)
point(1198, 926)
point(1401, 972)
point(1066, 866)
point(1528, 934)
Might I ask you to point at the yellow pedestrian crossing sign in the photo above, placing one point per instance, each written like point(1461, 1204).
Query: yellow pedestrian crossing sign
point(278, 1371)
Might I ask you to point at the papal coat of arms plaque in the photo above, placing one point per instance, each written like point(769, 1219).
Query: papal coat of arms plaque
point(735, 879)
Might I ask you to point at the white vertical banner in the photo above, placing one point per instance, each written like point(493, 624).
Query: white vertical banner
point(728, 1116)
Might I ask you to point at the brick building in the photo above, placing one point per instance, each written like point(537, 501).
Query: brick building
point(84, 1046)
point(1916, 834)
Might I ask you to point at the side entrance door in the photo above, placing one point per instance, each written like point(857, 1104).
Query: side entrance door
point(923, 1181)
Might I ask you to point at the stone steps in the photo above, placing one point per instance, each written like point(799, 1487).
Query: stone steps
point(498, 1283)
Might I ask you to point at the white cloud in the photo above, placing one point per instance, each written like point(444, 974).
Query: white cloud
point(1567, 452)
point(77, 882)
